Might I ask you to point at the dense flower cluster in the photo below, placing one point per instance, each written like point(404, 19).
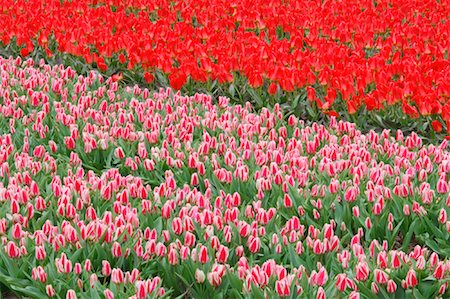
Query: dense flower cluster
point(121, 192)
point(371, 53)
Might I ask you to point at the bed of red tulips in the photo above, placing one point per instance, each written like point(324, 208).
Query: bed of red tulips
point(359, 53)
point(120, 192)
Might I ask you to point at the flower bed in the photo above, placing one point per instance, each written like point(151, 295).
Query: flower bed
point(123, 192)
point(360, 53)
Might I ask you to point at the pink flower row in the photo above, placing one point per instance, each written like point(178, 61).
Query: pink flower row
point(115, 189)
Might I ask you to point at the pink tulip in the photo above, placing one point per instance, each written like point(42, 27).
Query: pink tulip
point(199, 276)
point(282, 288)
point(12, 250)
point(71, 294)
point(439, 271)
point(106, 268)
point(117, 276)
point(108, 294)
point(374, 287)
point(381, 277)
point(40, 253)
point(443, 288)
point(141, 289)
point(203, 255)
point(362, 271)
point(254, 244)
point(172, 256)
point(411, 279)
point(320, 293)
point(391, 286)
point(222, 254)
point(17, 231)
point(177, 226)
point(50, 290)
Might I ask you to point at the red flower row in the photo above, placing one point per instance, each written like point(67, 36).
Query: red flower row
point(370, 52)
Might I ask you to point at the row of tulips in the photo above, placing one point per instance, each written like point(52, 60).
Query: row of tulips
point(119, 192)
point(357, 53)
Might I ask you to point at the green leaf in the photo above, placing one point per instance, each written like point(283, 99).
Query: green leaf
point(409, 234)
point(232, 90)
point(433, 245)
point(8, 264)
point(256, 99)
point(235, 282)
point(430, 226)
point(256, 292)
point(295, 102)
point(30, 291)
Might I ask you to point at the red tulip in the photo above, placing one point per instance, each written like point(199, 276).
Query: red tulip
point(177, 80)
point(437, 126)
point(273, 87)
point(148, 77)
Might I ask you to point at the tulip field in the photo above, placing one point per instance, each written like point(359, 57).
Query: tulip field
point(225, 149)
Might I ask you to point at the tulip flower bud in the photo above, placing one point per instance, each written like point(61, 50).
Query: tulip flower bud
point(199, 276)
